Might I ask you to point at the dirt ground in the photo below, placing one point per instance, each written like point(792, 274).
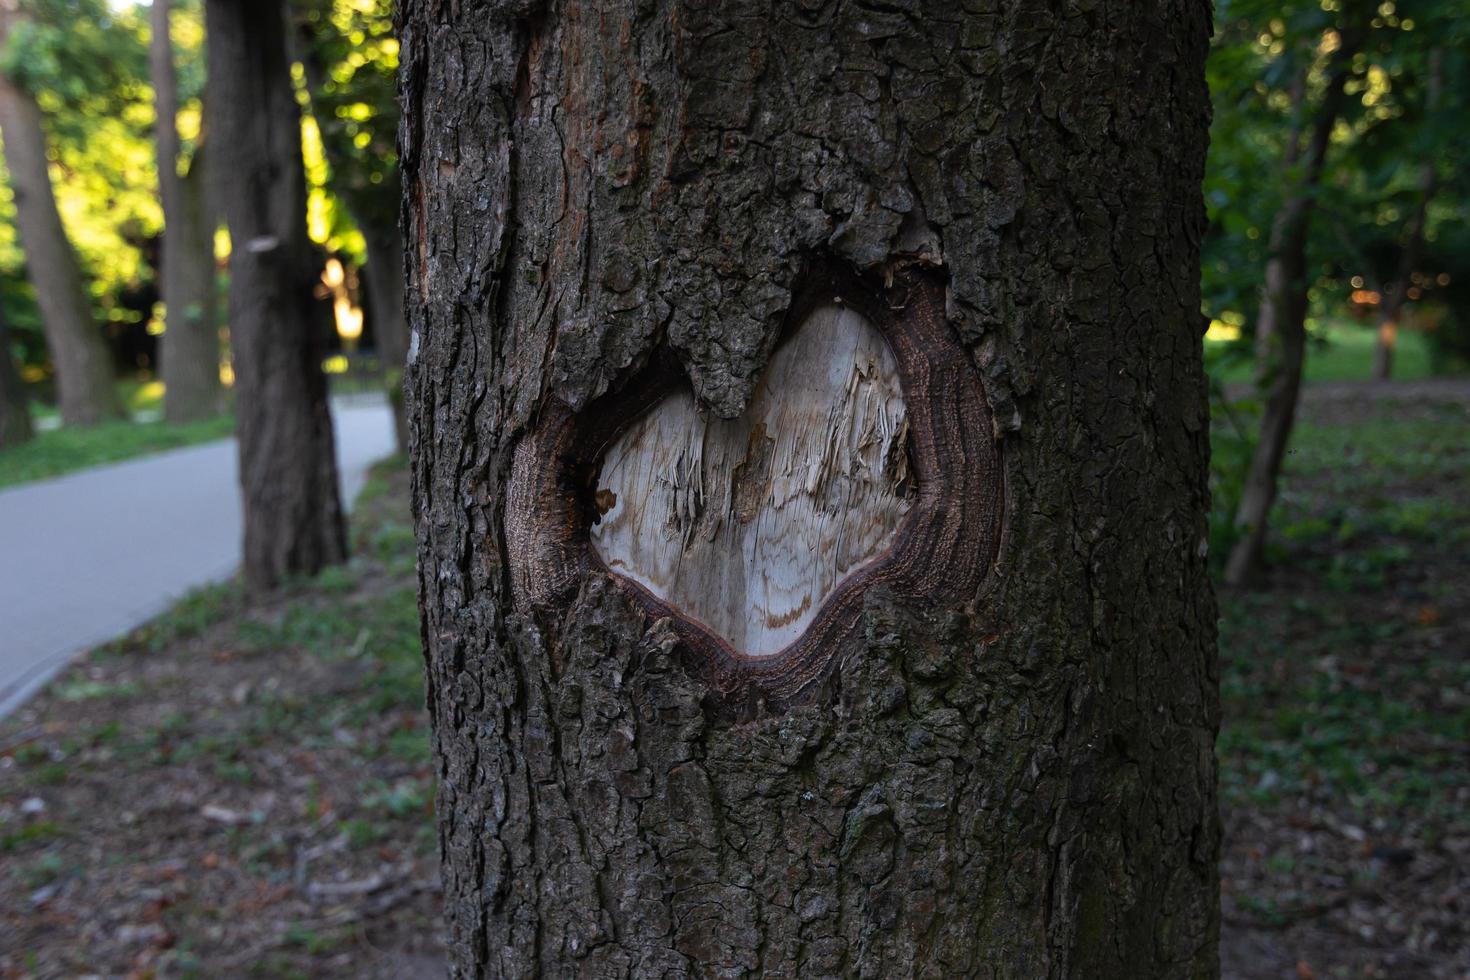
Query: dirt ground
point(1345, 750)
point(237, 791)
point(245, 789)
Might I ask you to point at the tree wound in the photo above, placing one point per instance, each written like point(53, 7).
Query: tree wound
point(866, 460)
point(748, 525)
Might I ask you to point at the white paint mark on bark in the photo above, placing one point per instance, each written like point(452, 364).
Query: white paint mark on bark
point(748, 525)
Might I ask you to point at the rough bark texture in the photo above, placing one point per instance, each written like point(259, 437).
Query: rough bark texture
point(1282, 322)
point(189, 351)
point(15, 408)
point(288, 469)
point(84, 377)
point(1018, 782)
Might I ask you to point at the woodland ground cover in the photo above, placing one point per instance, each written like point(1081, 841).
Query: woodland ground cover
point(246, 789)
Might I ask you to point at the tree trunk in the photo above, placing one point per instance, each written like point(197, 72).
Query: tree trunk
point(84, 376)
point(15, 407)
point(910, 670)
point(384, 275)
point(1397, 292)
point(1283, 324)
point(189, 351)
point(288, 470)
point(1265, 338)
point(384, 241)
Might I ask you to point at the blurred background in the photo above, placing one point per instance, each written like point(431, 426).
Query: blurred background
point(242, 785)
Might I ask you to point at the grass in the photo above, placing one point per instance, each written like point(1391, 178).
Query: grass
point(1339, 350)
point(1343, 682)
point(68, 449)
point(1345, 698)
point(59, 450)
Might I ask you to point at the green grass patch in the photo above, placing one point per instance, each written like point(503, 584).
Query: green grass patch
point(1338, 350)
point(68, 449)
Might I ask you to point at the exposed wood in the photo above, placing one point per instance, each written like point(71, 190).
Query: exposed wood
point(84, 376)
point(288, 468)
point(941, 548)
point(748, 525)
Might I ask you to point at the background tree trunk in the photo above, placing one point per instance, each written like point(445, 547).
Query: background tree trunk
point(189, 351)
point(288, 469)
point(1265, 338)
point(15, 407)
point(1396, 293)
point(384, 276)
point(1282, 323)
point(84, 376)
point(1018, 783)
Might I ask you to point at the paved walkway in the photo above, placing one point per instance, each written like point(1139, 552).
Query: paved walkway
point(88, 556)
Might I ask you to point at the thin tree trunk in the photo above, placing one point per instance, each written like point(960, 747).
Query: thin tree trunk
point(1284, 318)
point(189, 351)
point(288, 470)
point(15, 408)
point(84, 375)
point(384, 240)
point(384, 276)
point(1265, 340)
point(1397, 293)
point(990, 752)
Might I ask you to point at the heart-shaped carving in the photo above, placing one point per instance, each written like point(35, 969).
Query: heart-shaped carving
point(748, 525)
point(759, 538)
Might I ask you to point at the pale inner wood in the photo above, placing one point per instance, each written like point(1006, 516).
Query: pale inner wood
point(748, 525)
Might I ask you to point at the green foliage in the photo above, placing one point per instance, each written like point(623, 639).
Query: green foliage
point(85, 62)
point(1267, 73)
point(350, 65)
point(1338, 349)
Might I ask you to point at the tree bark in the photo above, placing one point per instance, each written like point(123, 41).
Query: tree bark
point(1282, 323)
point(189, 350)
point(1009, 775)
point(15, 408)
point(84, 376)
point(288, 470)
point(1396, 294)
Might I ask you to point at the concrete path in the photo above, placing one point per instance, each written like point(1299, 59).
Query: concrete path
point(88, 556)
